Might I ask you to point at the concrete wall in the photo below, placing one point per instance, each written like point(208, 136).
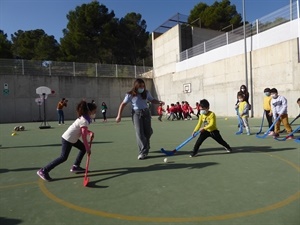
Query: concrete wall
point(200, 35)
point(166, 49)
point(20, 106)
point(272, 58)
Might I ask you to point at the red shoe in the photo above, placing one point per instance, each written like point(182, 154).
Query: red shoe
point(290, 137)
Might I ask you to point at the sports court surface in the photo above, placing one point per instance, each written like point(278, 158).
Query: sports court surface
point(258, 184)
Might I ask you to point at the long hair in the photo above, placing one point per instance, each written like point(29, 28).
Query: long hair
point(83, 108)
point(244, 87)
point(134, 90)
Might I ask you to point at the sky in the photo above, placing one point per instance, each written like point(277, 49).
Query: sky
point(50, 15)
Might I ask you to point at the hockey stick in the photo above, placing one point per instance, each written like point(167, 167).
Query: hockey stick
point(170, 153)
point(297, 140)
point(291, 123)
point(262, 123)
point(86, 179)
point(289, 135)
point(267, 132)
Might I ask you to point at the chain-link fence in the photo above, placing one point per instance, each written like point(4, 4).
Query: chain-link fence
point(53, 68)
point(283, 15)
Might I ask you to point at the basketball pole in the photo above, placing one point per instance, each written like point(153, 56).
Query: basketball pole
point(45, 126)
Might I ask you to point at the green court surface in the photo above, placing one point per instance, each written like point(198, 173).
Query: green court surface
point(258, 184)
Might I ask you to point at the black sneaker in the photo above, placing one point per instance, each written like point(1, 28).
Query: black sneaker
point(44, 175)
point(193, 154)
point(228, 150)
point(77, 169)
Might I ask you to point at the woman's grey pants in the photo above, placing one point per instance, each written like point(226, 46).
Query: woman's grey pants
point(142, 123)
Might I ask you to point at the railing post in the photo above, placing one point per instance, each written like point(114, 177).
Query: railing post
point(135, 71)
point(298, 9)
point(227, 38)
point(49, 69)
point(204, 46)
point(257, 24)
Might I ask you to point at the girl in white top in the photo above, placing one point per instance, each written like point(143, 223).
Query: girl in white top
point(86, 112)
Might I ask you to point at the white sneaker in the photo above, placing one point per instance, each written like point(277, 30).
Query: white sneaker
point(271, 133)
point(141, 156)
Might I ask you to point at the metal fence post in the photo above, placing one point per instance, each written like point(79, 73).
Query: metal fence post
point(204, 46)
point(135, 71)
point(74, 69)
point(23, 69)
point(49, 69)
point(96, 69)
point(116, 70)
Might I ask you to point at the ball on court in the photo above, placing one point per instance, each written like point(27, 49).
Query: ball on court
point(226, 118)
point(165, 160)
point(13, 134)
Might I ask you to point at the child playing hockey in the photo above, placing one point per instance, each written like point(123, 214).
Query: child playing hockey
point(209, 130)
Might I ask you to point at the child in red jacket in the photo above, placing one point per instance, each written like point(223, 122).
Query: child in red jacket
point(160, 111)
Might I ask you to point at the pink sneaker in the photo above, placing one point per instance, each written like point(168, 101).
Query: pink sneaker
point(271, 133)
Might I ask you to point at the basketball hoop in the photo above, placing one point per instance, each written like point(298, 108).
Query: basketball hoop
point(43, 92)
point(187, 88)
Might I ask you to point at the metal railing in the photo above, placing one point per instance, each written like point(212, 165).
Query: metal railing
point(54, 68)
point(283, 15)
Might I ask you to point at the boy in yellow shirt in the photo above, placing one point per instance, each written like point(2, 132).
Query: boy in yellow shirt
point(267, 109)
point(208, 118)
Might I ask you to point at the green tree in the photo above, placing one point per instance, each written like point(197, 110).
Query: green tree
point(5, 46)
point(34, 44)
point(216, 17)
point(132, 40)
point(89, 35)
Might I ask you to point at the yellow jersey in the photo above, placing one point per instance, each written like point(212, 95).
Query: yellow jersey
point(267, 103)
point(209, 121)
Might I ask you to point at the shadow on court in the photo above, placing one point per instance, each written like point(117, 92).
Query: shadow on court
point(52, 145)
point(8, 221)
point(117, 172)
point(18, 170)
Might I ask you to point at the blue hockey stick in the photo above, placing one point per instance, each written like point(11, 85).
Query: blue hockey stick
point(290, 134)
point(170, 153)
point(261, 125)
point(267, 132)
point(297, 140)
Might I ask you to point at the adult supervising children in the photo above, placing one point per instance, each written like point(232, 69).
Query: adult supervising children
point(138, 97)
point(86, 112)
point(60, 105)
point(208, 118)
